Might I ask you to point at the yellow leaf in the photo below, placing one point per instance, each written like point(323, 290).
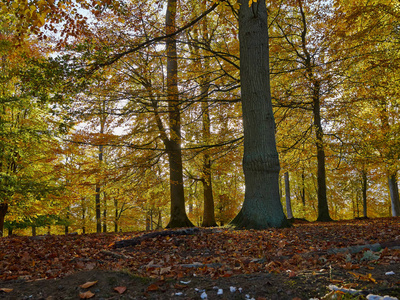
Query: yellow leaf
point(88, 284)
point(251, 2)
point(6, 290)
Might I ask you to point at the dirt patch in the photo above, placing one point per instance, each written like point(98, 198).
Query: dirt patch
point(282, 286)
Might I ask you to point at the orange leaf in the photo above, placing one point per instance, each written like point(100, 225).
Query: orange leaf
point(6, 290)
point(88, 284)
point(120, 289)
point(153, 287)
point(86, 295)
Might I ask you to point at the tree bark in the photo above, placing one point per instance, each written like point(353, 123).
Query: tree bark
point(323, 209)
point(289, 211)
point(3, 212)
point(173, 145)
point(394, 194)
point(262, 207)
point(364, 192)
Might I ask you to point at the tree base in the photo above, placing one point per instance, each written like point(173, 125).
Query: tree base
point(179, 223)
point(243, 222)
point(206, 224)
point(324, 219)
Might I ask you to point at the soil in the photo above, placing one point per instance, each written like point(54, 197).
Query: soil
point(303, 285)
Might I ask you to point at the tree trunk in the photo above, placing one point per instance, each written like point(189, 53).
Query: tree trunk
point(323, 209)
point(287, 196)
point(262, 207)
point(173, 145)
point(159, 220)
point(116, 215)
point(98, 208)
point(303, 189)
point(394, 195)
point(364, 192)
point(3, 212)
point(208, 213)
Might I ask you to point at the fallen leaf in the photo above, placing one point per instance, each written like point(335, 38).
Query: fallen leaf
point(86, 295)
point(153, 287)
point(88, 284)
point(180, 286)
point(120, 289)
point(6, 290)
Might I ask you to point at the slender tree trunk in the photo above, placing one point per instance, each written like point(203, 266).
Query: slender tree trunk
point(303, 189)
point(3, 212)
point(364, 192)
point(83, 216)
point(159, 221)
point(173, 145)
point(116, 215)
point(208, 212)
point(287, 196)
point(67, 218)
point(394, 194)
point(262, 207)
point(98, 208)
point(323, 209)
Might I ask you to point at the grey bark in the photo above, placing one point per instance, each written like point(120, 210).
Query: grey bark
point(261, 207)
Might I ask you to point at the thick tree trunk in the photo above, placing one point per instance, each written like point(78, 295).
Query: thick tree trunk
point(262, 207)
point(289, 211)
point(3, 212)
point(394, 194)
point(173, 145)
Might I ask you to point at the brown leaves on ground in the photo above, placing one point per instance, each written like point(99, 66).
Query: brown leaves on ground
point(212, 252)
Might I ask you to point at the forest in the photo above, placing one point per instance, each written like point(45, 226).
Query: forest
point(121, 116)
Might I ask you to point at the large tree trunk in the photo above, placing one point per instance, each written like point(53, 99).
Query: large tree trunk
point(3, 212)
point(262, 207)
point(394, 195)
point(173, 145)
point(289, 211)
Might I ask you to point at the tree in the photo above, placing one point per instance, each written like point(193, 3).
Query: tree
point(173, 144)
point(261, 207)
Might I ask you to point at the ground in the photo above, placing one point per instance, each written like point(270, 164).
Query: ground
point(295, 263)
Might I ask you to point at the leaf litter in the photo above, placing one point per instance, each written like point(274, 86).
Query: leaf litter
point(300, 256)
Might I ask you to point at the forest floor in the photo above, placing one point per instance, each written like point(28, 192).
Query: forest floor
point(294, 263)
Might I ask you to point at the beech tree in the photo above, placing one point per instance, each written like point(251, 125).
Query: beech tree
point(261, 207)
